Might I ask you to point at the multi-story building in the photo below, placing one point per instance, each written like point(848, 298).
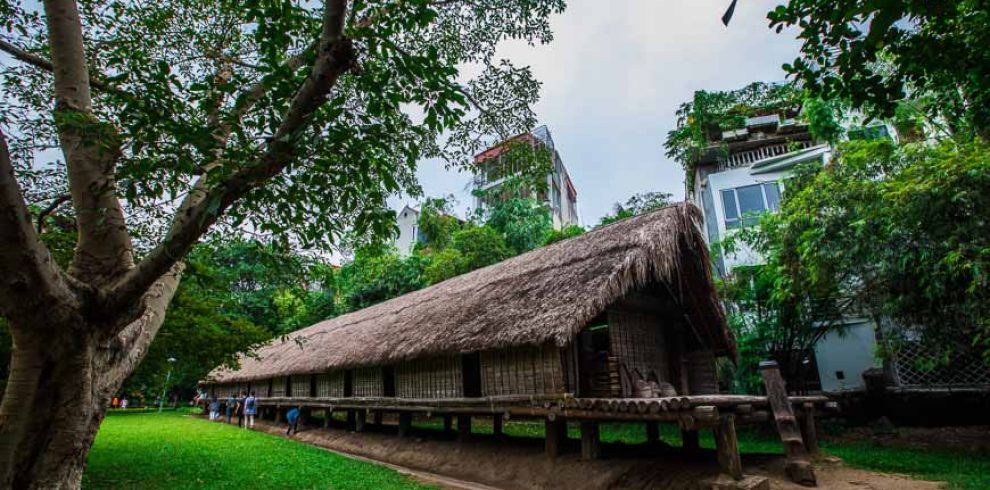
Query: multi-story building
point(742, 173)
point(409, 235)
point(493, 171)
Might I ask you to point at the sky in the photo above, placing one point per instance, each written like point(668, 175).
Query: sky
point(613, 77)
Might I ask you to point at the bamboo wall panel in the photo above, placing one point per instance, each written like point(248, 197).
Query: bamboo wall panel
point(301, 385)
point(279, 386)
point(368, 382)
point(702, 375)
point(522, 371)
point(639, 345)
point(435, 377)
point(330, 385)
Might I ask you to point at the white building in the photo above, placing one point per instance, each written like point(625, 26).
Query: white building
point(560, 196)
point(408, 222)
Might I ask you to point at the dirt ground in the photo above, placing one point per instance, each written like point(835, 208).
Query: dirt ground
point(520, 464)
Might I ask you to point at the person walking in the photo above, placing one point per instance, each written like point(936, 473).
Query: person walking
point(239, 409)
point(250, 410)
point(229, 407)
point(123, 403)
point(214, 409)
point(292, 417)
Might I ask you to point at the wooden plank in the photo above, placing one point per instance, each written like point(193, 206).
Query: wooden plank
point(727, 447)
point(798, 466)
point(590, 440)
point(808, 431)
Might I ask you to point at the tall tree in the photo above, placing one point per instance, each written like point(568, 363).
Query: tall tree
point(173, 116)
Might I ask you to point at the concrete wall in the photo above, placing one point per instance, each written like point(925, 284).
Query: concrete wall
point(842, 358)
point(407, 220)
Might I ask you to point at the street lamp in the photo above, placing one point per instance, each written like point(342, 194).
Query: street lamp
point(161, 401)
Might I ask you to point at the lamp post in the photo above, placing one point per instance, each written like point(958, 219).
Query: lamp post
point(168, 376)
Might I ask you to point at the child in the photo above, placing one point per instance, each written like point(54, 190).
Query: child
point(214, 409)
point(250, 410)
point(229, 408)
point(293, 418)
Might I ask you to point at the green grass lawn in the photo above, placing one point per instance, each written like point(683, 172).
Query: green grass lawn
point(173, 451)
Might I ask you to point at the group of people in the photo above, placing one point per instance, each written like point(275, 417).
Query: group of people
point(118, 402)
point(244, 407)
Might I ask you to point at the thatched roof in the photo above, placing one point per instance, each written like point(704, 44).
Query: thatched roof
point(547, 295)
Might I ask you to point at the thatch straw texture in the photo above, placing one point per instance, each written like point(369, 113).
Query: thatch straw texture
point(547, 295)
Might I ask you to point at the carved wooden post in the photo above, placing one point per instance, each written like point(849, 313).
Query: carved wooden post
point(727, 447)
point(405, 423)
point(798, 465)
point(590, 447)
point(808, 431)
point(463, 428)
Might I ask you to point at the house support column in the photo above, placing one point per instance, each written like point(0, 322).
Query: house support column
point(405, 423)
point(448, 424)
point(463, 428)
point(798, 466)
point(590, 445)
point(351, 420)
point(378, 419)
point(327, 418)
point(279, 417)
point(809, 432)
point(727, 447)
point(653, 433)
point(360, 420)
point(556, 434)
point(689, 438)
point(497, 426)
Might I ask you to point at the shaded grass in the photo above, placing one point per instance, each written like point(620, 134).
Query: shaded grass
point(173, 451)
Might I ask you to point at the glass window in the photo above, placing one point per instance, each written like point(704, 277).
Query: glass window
point(751, 203)
point(731, 210)
point(773, 196)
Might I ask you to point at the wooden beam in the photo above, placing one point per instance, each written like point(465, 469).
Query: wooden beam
point(463, 428)
point(652, 433)
point(727, 447)
point(405, 423)
point(809, 433)
point(798, 466)
point(556, 434)
point(590, 440)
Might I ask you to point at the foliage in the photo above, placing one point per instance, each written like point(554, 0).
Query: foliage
point(710, 112)
point(636, 205)
point(524, 223)
point(896, 232)
point(173, 451)
point(481, 246)
point(437, 222)
point(876, 53)
point(569, 231)
point(373, 278)
point(824, 119)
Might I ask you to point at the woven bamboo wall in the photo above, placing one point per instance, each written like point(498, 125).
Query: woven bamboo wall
point(330, 385)
point(522, 371)
point(368, 382)
point(301, 385)
point(435, 377)
point(638, 344)
point(702, 375)
point(279, 386)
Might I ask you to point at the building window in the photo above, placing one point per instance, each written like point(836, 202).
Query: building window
point(743, 205)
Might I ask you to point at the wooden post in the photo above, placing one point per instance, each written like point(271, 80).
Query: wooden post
point(405, 423)
point(689, 441)
point(463, 428)
point(278, 415)
point(351, 420)
point(448, 424)
point(360, 420)
point(327, 417)
point(727, 447)
point(556, 434)
point(798, 465)
point(304, 416)
point(590, 448)
point(497, 426)
point(653, 433)
point(378, 419)
point(808, 431)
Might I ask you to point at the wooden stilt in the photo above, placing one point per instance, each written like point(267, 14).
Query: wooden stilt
point(448, 423)
point(798, 465)
point(809, 433)
point(590, 447)
point(351, 420)
point(278, 415)
point(727, 447)
point(360, 420)
point(405, 423)
point(689, 440)
point(378, 418)
point(556, 434)
point(305, 414)
point(463, 428)
point(652, 433)
point(497, 426)
point(327, 417)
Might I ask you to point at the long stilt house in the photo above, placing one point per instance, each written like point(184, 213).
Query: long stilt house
point(621, 323)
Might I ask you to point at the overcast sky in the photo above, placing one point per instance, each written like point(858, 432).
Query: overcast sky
point(612, 79)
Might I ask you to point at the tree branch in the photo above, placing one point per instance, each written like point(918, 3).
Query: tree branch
point(31, 285)
point(39, 62)
point(58, 201)
point(200, 210)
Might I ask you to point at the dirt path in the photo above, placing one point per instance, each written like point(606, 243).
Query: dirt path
point(519, 464)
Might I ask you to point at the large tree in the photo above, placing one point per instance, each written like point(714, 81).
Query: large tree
point(294, 118)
